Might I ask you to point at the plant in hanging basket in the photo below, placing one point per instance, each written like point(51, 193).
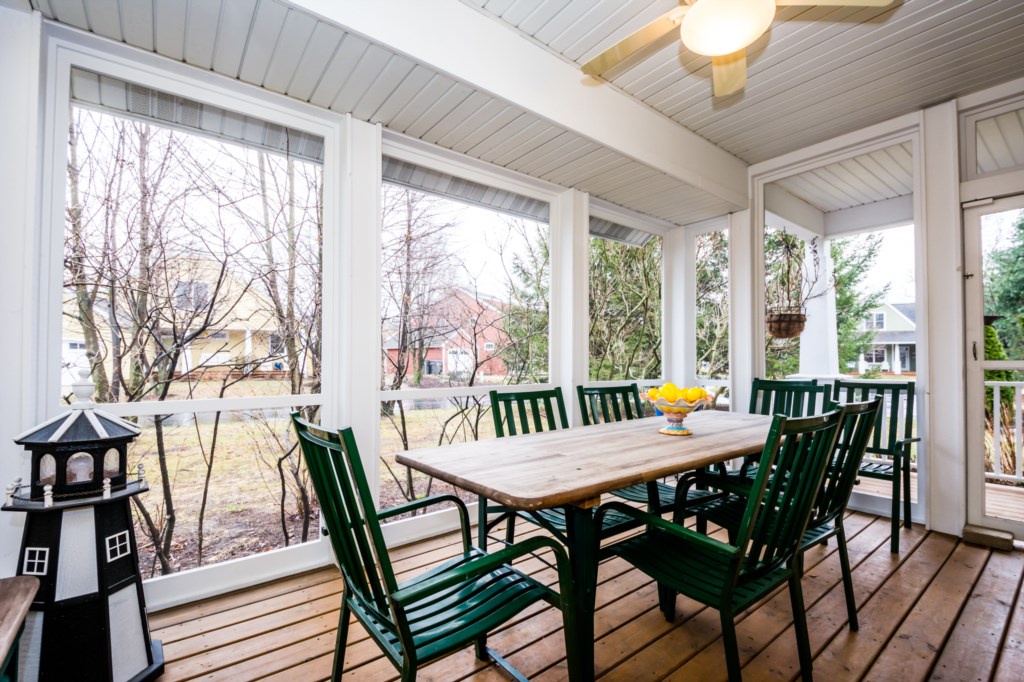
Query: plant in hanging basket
point(792, 277)
point(785, 324)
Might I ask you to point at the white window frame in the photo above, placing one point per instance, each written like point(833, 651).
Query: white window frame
point(65, 49)
point(872, 321)
point(118, 545)
point(35, 556)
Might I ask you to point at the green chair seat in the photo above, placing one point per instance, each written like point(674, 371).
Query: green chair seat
point(697, 575)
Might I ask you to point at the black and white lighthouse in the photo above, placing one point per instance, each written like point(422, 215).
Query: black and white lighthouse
point(88, 620)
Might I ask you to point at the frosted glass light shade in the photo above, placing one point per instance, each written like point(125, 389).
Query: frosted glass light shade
point(719, 27)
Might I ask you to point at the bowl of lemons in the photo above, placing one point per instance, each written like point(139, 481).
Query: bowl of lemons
point(675, 403)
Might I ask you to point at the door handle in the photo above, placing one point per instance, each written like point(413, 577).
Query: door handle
point(974, 349)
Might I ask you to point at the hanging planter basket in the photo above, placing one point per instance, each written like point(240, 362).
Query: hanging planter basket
point(785, 323)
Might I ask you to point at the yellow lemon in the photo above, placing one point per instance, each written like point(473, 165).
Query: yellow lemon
point(694, 394)
point(652, 393)
point(670, 393)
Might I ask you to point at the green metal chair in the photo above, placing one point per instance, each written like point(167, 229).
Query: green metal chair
point(892, 439)
point(732, 576)
point(830, 505)
point(438, 612)
point(602, 404)
point(514, 413)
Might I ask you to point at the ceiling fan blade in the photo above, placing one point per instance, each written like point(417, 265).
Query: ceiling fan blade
point(831, 3)
point(729, 73)
point(628, 47)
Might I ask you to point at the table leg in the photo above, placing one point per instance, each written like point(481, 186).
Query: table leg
point(579, 638)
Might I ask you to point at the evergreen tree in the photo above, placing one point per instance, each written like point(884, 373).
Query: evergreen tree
point(851, 261)
point(1004, 291)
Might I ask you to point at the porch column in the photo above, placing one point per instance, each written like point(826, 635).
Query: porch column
point(570, 268)
point(819, 342)
point(746, 315)
point(26, 396)
point(679, 348)
point(940, 382)
point(895, 366)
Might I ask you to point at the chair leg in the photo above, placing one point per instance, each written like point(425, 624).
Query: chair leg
point(844, 564)
point(894, 541)
point(667, 602)
point(906, 492)
point(481, 529)
point(803, 642)
point(480, 647)
point(510, 528)
point(340, 641)
point(732, 649)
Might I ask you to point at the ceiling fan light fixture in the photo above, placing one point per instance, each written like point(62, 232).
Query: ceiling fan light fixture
point(719, 27)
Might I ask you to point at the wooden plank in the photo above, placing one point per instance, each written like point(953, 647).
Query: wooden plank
point(912, 651)
point(541, 470)
point(16, 595)
point(759, 627)
point(1011, 659)
point(827, 617)
point(249, 595)
point(978, 636)
point(850, 654)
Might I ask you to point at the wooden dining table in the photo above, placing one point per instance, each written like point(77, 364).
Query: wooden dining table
point(572, 468)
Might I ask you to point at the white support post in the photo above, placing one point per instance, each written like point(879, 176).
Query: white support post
point(896, 367)
point(940, 296)
point(746, 315)
point(677, 304)
point(819, 341)
point(20, 36)
point(358, 323)
point(570, 267)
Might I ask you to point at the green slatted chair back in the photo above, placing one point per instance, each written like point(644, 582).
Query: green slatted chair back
point(521, 412)
point(798, 398)
point(347, 509)
point(793, 464)
point(609, 403)
point(841, 474)
point(894, 421)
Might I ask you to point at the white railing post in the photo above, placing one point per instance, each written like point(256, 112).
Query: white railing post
point(1017, 431)
point(997, 445)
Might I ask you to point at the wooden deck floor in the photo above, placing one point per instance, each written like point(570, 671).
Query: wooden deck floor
point(1003, 501)
point(941, 609)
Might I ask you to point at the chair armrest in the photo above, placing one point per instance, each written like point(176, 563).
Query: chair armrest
point(486, 564)
point(903, 446)
point(431, 500)
point(681, 532)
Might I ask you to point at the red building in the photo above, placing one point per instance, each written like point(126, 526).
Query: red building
point(463, 335)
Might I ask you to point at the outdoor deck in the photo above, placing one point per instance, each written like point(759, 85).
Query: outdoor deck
point(1003, 501)
point(941, 609)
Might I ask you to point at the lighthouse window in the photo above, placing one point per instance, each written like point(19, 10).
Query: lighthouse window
point(117, 546)
point(36, 559)
point(79, 468)
point(47, 470)
point(111, 463)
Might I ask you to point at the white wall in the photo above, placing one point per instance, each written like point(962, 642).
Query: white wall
point(19, 82)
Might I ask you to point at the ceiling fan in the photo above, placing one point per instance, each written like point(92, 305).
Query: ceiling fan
point(720, 29)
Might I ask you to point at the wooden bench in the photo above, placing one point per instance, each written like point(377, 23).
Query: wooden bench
point(16, 596)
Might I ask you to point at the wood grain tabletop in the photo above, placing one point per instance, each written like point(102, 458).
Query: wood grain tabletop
point(16, 596)
point(575, 466)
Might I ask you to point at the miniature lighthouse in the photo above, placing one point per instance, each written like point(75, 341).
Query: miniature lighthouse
point(88, 620)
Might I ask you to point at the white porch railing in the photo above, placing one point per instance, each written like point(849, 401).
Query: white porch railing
point(1003, 434)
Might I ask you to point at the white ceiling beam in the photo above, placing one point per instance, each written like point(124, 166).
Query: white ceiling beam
point(877, 215)
point(792, 212)
point(477, 50)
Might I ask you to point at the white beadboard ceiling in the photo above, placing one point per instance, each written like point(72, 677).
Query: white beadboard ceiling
point(809, 80)
point(884, 174)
